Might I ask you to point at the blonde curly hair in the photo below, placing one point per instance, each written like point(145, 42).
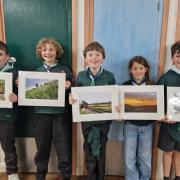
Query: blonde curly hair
point(42, 43)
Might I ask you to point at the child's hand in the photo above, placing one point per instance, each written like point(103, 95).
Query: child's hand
point(170, 120)
point(167, 120)
point(17, 82)
point(164, 119)
point(13, 97)
point(67, 84)
point(72, 99)
point(118, 108)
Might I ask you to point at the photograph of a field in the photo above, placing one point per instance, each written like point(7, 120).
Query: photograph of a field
point(95, 103)
point(2, 90)
point(41, 89)
point(141, 102)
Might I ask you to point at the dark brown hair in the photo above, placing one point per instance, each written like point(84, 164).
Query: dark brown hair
point(141, 60)
point(94, 46)
point(4, 47)
point(175, 48)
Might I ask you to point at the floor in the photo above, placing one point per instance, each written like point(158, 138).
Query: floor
point(24, 176)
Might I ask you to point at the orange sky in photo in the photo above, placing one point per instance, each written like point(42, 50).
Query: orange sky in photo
point(139, 102)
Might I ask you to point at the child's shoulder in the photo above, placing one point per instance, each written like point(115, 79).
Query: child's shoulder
point(82, 73)
point(170, 78)
point(12, 70)
point(129, 82)
point(40, 68)
point(109, 73)
point(63, 67)
point(170, 73)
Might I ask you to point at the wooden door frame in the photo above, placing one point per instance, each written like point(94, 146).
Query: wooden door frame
point(2, 28)
point(88, 37)
point(177, 36)
point(74, 69)
point(88, 21)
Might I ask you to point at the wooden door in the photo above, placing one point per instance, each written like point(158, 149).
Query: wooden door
point(127, 28)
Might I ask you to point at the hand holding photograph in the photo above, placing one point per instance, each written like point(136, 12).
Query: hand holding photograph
point(173, 104)
point(5, 89)
point(41, 89)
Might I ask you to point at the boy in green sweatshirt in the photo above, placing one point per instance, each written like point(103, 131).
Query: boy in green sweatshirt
point(94, 132)
point(169, 138)
point(8, 117)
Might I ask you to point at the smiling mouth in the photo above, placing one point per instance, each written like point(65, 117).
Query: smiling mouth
point(48, 57)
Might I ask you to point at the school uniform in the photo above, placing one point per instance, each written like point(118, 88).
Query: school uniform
point(54, 124)
point(169, 137)
point(95, 132)
point(7, 128)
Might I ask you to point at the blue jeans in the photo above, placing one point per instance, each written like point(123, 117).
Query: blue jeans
point(137, 151)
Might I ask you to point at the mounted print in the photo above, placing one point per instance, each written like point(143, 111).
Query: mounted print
point(5, 89)
point(142, 102)
point(173, 103)
point(95, 103)
point(41, 89)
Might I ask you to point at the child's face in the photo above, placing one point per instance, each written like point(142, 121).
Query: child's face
point(176, 60)
point(94, 59)
point(138, 71)
point(48, 53)
point(3, 58)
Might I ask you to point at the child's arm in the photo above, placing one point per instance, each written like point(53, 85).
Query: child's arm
point(118, 108)
point(72, 98)
point(67, 84)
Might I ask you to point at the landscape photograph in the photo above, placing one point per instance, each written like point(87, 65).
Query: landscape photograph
point(95, 103)
point(41, 89)
point(2, 90)
point(140, 102)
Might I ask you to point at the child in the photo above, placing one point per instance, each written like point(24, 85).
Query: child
point(169, 138)
point(94, 75)
point(53, 123)
point(7, 118)
point(138, 133)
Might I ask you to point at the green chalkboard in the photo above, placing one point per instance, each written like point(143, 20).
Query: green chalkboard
point(27, 21)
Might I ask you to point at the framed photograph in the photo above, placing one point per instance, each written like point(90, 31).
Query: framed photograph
point(95, 103)
point(5, 90)
point(41, 89)
point(142, 102)
point(173, 103)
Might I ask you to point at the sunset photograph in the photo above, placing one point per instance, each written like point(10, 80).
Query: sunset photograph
point(144, 102)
